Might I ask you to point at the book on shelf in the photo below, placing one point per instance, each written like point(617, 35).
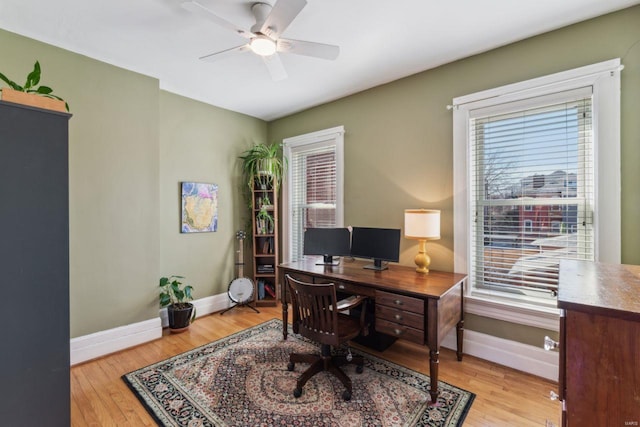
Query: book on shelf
point(265, 269)
point(261, 293)
point(268, 246)
point(268, 287)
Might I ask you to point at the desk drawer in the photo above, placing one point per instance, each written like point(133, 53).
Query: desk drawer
point(350, 288)
point(405, 303)
point(400, 331)
point(400, 316)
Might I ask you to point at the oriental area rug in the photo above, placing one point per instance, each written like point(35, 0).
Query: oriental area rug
point(242, 380)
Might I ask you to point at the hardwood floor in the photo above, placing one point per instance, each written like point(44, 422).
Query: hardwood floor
point(504, 397)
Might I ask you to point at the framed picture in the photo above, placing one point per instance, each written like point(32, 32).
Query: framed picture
point(199, 207)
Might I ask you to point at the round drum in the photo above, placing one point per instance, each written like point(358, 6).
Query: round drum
point(240, 290)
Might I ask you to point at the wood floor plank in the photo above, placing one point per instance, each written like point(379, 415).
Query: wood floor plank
point(504, 397)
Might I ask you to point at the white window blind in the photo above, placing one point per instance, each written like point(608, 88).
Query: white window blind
point(532, 191)
point(313, 190)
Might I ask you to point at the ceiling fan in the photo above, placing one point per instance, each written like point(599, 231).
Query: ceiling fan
point(264, 36)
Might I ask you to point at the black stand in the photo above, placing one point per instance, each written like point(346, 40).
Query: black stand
point(244, 304)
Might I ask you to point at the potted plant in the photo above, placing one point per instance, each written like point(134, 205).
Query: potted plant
point(32, 94)
point(264, 222)
point(175, 297)
point(264, 164)
point(265, 203)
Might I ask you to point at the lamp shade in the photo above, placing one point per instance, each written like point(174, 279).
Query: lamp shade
point(422, 224)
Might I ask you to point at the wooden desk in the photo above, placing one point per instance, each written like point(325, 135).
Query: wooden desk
point(416, 307)
point(599, 379)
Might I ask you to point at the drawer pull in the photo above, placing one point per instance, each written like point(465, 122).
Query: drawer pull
point(550, 344)
point(553, 395)
point(397, 302)
point(398, 317)
point(341, 286)
point(398, 331)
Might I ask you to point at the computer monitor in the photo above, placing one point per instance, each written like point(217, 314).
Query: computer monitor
point(379, 244)
point(328, 242)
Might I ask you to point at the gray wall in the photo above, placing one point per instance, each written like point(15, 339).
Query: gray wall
point(398, 140)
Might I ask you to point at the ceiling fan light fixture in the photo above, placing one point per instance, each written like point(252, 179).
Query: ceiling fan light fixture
point(263, 46)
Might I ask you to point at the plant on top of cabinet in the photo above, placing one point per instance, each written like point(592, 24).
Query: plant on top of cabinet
point(31, 88)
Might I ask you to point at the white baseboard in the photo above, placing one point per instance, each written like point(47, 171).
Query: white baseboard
point(203, 307)
point(91, 346)
point(101, 343)
point(523, 357)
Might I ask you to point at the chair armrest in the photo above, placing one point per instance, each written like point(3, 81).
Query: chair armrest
point(350, 302)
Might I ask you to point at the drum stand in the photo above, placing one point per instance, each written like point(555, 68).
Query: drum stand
point(240, 235)
point(244, 304)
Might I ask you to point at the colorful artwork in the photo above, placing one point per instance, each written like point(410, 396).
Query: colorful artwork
point(199, 207)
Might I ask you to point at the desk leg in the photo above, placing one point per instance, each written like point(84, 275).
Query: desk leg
point(285, 319)
point(285, 311)
point(459, 339)
point(433, 373)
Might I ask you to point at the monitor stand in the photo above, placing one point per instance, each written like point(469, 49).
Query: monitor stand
point(329, 261)
point(377, 265)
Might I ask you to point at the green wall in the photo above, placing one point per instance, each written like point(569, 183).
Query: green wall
point(130, 145)
point(201, 143)
point(398, 140)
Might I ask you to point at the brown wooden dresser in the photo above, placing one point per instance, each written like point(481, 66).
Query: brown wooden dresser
point(599, 381)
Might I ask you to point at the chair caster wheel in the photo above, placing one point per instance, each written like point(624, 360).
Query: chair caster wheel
point(297, 392)
point(290, 366)
point(346, 395)
point(359, 369)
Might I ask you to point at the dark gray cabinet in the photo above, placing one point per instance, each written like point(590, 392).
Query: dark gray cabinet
point(34, 262)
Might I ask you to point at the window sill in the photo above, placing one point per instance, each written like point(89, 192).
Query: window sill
point(514, 312)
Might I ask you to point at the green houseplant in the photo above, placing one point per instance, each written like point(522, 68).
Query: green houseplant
point(175, 296)
point(263, 163)
point(264, 222)
point(31, 86)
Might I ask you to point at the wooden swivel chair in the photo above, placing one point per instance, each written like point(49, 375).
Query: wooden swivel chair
point(316, 316)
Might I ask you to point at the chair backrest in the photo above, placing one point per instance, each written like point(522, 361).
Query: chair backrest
point(313, 313)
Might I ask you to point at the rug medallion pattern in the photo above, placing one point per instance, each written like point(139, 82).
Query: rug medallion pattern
point(242, 380)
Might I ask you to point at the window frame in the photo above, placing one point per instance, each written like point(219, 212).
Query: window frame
point(604, 78)
point(334, 136)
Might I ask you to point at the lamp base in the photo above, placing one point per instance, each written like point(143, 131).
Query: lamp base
point(422, 260)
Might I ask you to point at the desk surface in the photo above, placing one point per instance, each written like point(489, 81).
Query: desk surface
point(397, 278)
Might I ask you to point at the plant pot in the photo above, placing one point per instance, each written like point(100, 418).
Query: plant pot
point(179, 317)
point(32, 100)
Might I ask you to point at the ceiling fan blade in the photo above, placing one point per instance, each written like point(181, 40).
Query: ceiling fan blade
point(282, 14)
point(317, 50)
point(275, 67)
point(197, 8)
point(225, 53)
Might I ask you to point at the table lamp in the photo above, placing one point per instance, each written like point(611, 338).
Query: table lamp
point(422, 225)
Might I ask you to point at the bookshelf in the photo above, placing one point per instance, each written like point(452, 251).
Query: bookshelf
point(265, 242)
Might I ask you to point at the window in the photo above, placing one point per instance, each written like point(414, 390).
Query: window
point(313, 189)
point(536, 179)
point(528, 226)
point(525, 152)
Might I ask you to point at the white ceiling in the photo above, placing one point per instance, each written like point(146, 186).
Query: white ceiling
point(380, 41)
